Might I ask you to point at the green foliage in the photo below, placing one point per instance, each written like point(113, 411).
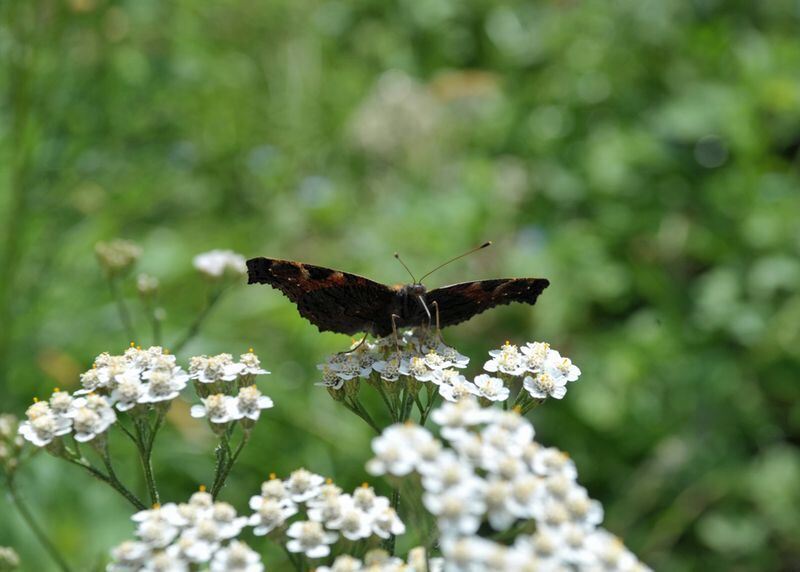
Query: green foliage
point(640, 154)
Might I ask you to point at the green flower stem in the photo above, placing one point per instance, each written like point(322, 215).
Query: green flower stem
point(229, 459)
point(389, 543)
point(356, 407)
point(145, 438)
point(432, 395)
point(386, 400)
point(109, 480)
point(194, 327)
point(122, 308)
point(531, 405)
point(35, 527)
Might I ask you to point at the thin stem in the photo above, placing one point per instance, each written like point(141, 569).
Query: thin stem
point(122, 308)
point(118, 486)
point(194, 327)
point(37, 530)
point(385, 398)
point(106, 455)
point(219, 482)
point(356, 408)
point(389, 543)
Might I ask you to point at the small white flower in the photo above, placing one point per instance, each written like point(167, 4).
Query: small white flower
point(91, 416)
point(212, 369)
point(60, 402)
point(236, 557)
point(327, 507)
point(310, 538)
point(452, 356)
point(389, 370)
point(610, 554)
point(458, 511)
point(303, 485)
point(550, 461)
point(330, 377)
point(417, 367)
point(129, 390)
point(582, 509)
point(447, 472)
point(274, 489)
point(345, 366)
point(544, 385)
point(270, 514)
point(249, 403)
point(343, 563)
point(130, 555)
point(168, 513)
point(458, 389)
point(200, 542)
point(561, 366)
point(352, 522)
point(163, 385)
point(219, 408)
point(525, 497)
point(251, 365)
point(385, 522)
point(507, 360)
point(491, 388)
point(43, 428)
point(534, 355)
point(498, 496)
point(396, 450)
point(156, 532)
point(448, 376)
point(454, 417)
point(224, 516)
point(216, 263)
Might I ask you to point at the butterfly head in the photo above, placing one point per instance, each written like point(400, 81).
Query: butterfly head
point(414, 290)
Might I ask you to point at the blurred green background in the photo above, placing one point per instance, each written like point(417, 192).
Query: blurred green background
point(641, 154)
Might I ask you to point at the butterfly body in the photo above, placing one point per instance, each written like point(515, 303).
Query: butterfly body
point(347, 303)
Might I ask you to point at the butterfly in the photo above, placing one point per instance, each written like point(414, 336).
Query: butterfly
point(345, 303)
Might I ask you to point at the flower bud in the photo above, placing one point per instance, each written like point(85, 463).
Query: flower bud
point(147, 285)
point(9, 559)
point(117, 257)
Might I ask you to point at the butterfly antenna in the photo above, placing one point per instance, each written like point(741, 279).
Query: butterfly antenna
point(400, 260)
point(476, 249)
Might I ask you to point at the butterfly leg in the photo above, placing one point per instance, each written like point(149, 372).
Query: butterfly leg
point(425, 307)
point(395, 317)
point(361, 343)
point(435, 305)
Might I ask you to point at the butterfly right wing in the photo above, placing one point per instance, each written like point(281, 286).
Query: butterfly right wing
point(332, 300)
point(459, 302)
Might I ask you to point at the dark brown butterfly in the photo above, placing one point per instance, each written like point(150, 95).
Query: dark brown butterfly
point(337, 301)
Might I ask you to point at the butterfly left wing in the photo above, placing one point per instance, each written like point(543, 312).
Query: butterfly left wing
point(332, 300)
point(459, 302)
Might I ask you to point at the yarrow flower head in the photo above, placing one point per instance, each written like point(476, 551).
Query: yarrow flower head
point(491, 473)
point(118, 256)
point(215, 264)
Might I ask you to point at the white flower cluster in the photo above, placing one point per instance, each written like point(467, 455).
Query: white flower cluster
point(183, 537)
point(423, 357)
point(329, 513)
point(87, 416)
point(202, 532)
point(133, 382)
point(117, 256)
point(489, 471)
point(226, 388)
point(215, 264)
point(378, 560)
point(546, 371)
